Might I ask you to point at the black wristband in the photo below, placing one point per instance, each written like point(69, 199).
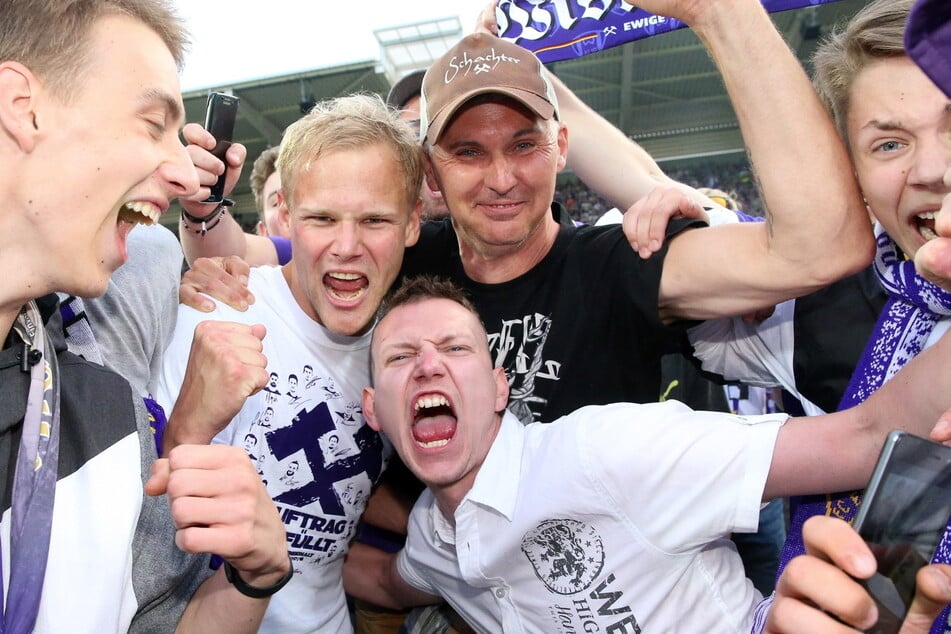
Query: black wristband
point(225, 202)
point(214, 216)
point(251, 591)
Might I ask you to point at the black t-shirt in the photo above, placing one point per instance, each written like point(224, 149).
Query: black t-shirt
point(581, 328)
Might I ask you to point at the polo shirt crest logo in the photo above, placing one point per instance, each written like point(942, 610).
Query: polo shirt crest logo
point(567, 555)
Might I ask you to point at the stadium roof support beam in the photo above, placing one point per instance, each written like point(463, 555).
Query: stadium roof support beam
point(257, 119)
point(625, 103)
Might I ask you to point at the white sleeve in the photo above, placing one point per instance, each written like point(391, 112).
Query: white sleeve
point(415, 543)
point(405, 567)
point(760, 354)
point(699, 475)
point(718, 215)
point(756, 354)
point(175, 359)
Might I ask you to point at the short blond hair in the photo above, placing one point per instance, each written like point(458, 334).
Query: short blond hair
point(351, 122)
point(51, 37)
point(874, 33)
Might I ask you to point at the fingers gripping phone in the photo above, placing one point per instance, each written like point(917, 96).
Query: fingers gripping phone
point(903, 516)
point(219, 121)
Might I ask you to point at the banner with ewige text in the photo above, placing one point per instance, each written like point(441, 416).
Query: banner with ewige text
point(563, 29)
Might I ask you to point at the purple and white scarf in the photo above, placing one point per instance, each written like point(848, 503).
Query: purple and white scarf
point(34, 483)
point(914, 307)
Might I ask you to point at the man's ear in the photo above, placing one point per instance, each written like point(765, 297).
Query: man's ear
point(283, 212)
point(412, 227)
point(562, 147)
point(19, 91)
point(369, 412)
point(501, 389)
point(430, 174)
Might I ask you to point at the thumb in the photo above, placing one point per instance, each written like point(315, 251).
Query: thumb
point(941, 432)
point(932, 594)
point(158, 480)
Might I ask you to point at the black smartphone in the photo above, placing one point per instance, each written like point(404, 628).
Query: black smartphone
point(219, 121)
point(903, 516)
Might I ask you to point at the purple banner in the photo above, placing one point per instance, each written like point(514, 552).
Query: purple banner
point(564, 29)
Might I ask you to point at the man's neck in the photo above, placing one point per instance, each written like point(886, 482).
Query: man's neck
point(448, 511)
point(449, 498)
point(289, 273)
point(491, 265)
point(25, 264)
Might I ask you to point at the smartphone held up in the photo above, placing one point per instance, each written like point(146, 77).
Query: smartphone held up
point(219, 121)
point(903, 517)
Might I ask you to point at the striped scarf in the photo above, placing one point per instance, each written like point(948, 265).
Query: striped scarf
point(913, 309)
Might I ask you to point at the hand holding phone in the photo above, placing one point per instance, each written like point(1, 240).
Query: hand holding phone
point(903, 516)
point(219, 121)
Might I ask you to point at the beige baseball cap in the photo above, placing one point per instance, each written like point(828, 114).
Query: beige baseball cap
point(479, 64)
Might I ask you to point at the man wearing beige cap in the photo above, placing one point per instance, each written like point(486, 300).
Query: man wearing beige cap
point(573, 314)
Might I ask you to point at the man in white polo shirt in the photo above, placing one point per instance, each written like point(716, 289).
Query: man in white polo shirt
point(580, 527)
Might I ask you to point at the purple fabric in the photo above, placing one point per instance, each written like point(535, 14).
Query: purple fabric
point(928, 40)
point(157, 421)
point(34, 486)
point(564, 29)
point(913, 308)
point(283, 248)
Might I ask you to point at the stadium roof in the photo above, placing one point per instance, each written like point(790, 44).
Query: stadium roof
point(663, 91)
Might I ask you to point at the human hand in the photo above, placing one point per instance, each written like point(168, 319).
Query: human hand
point(224, 278)
point(941, 432)
point(820, 583)
point(219, 505)
point(699, 14)
point(758, 316)
point(645, 222)
point(487, 21)
point(933, 258)
point(209, 167)
point(684, 10)
point(226, 365)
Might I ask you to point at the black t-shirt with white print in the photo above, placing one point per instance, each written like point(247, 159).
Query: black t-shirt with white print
point(580, 328)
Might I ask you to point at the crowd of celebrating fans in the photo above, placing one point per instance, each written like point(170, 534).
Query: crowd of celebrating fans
point(442, 385)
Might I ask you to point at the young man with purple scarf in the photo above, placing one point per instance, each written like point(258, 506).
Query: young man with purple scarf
point(896, 123)
point(928, 43)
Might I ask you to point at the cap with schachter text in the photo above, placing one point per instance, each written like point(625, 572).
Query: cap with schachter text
point(928, 40)
point(481, 64)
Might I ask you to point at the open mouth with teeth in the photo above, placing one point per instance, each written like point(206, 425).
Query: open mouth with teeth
point(434, 421)
point(139, 212)
point(347, 287)
point(925, 224)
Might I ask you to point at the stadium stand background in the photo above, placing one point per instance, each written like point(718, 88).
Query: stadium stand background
point(664, 92)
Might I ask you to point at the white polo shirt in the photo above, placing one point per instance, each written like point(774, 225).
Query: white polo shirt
point(612, 519)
